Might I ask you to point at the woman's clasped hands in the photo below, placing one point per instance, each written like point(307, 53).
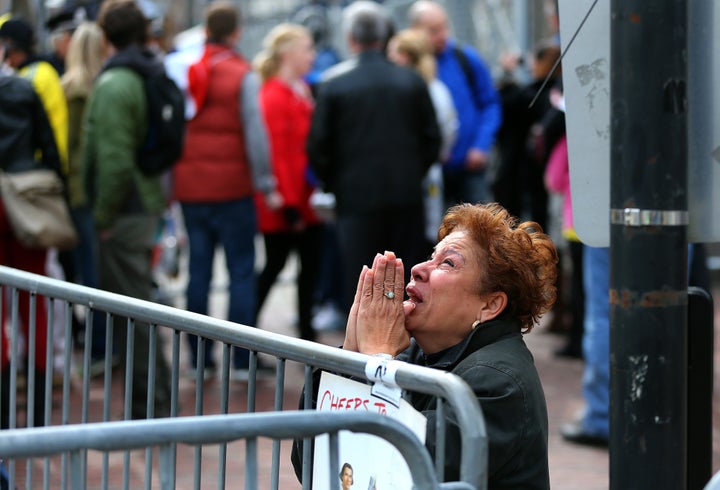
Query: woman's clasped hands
point(376, 323)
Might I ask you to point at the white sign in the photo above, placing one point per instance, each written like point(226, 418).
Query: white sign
point(373, 463)
point(586, 82)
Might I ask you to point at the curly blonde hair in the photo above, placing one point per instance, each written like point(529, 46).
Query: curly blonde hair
point(280, 37)
point(414, 44)
point(516, 258)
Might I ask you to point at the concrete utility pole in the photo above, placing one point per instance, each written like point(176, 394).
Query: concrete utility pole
point(648, 255)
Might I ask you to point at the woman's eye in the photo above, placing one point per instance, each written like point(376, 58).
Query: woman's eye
point(449, 262)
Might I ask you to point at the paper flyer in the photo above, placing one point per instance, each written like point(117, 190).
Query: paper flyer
point(365, 461)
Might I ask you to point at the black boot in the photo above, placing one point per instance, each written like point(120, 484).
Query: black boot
point(5, 398)
point(39, 393)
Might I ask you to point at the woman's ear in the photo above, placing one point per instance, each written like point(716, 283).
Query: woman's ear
point(494, 304)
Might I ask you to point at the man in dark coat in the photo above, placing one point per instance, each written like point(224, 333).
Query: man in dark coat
point(373, 136)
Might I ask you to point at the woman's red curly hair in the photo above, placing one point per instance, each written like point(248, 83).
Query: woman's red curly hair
point(518, 259)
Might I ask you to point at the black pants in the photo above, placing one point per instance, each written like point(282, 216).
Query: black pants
point(577, 298)
point(38, 393)
point(308, 243)
point(361, 236)
point(124, 267)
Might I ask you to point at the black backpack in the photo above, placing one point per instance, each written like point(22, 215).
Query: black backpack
point(467, 70)
point(163, 143)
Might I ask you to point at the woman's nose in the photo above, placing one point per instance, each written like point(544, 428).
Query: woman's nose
point(419, 271)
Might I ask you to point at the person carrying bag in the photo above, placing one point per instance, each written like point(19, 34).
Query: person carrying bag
point(36, 207)
point(33, 192)
point(28, 160)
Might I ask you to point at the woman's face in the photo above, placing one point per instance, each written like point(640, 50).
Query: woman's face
point(301, 55)
point(444, 290)
point(347, 478)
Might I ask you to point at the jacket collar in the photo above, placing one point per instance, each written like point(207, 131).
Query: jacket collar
point(450, 46)
point(212, 49)
point(31, 58)
point(371, 55)
point(485, 334)
point(137, 58)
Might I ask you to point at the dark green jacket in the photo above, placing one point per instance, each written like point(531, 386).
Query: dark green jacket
point(115, 127)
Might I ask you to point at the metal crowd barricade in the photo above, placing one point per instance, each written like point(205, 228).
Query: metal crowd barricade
point(75, 439)
point(170, 322)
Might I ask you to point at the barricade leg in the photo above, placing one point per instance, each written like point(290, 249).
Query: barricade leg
point(700, 387)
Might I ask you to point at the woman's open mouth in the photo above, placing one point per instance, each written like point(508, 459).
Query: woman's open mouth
point(413, 295)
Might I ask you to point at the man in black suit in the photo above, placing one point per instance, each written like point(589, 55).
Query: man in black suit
point(373, 136)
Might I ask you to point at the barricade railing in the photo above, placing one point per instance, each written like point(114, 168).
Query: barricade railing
point(74, 440)
point(165, 321)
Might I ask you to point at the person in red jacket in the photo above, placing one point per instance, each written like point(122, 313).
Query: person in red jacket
point(286, 103)
point(225, 161)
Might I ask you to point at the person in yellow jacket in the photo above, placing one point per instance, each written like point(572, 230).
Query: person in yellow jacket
point(19, 38)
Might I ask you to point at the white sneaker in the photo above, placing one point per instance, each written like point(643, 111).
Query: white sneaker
point(240, 374)
point(208, 373)
point(328, 317)
point(263, 371)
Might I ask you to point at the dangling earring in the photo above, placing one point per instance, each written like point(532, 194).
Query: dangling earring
point(475, 324)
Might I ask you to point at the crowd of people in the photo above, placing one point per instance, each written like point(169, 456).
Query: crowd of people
point(412, 136)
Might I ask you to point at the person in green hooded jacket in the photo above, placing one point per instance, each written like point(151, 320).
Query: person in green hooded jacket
point(126, 204)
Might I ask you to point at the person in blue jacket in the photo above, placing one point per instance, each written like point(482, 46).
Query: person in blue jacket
point(476, 100)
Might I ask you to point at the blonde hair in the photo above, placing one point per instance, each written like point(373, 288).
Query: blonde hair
point(84, 59)
point(275, 43)
point(414, 44)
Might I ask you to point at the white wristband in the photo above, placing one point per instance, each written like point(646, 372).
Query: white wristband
point(381, 369)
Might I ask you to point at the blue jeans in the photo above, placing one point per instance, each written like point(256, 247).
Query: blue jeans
point(330, 278)
point(233, 225)
point(596, 340)
point(85, 258)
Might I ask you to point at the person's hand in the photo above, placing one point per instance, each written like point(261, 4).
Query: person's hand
point(509, 61)
point(380, 325)
point(536, 141)
point(105, 234)
point(274, 200)
point(557, 99)
point(350, 342)
point(293, 218)
point(476, 159)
